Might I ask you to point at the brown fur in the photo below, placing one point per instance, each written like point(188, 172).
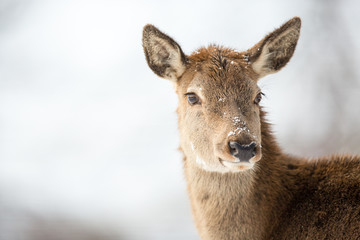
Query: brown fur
point(275, 195)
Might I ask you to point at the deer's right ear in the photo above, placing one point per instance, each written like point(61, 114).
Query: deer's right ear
point(163, 55)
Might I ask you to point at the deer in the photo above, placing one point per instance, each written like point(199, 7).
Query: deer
point(241, 185)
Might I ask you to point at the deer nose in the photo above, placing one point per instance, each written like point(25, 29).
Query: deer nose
point(243, 152)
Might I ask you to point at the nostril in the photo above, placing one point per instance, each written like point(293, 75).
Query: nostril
point(234, 148)
point(252, 148)
point(242, 152)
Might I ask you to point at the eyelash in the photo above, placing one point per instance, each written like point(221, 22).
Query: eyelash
point(193, 99)
point(258, 98)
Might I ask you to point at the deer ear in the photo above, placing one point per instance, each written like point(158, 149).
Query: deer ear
point(275, 50)
point(163, 55)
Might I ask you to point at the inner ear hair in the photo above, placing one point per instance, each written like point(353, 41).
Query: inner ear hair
point(163, 55)
point(275, 50)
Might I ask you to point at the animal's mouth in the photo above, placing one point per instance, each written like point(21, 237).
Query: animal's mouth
point(237, 165)
point(239, 161)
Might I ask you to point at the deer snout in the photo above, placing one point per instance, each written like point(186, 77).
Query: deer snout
point(242, 152)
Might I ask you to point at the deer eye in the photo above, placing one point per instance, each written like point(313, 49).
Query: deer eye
point(258, 98)
point(193, 98)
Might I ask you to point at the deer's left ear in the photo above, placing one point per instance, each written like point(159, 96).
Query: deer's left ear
point(275, 50)
point(163, 55)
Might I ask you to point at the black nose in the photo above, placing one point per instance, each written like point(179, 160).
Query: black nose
point(243, 152)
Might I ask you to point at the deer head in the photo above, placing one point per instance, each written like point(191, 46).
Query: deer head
point(219, 112)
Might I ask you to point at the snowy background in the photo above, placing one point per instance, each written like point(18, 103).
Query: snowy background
point(88, 134)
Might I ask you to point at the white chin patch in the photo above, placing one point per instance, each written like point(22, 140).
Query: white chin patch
point(224, 167)
point(237, 166)
point(201, 163)
point(204, 166)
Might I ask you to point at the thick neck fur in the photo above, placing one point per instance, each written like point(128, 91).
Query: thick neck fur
point(238, 205)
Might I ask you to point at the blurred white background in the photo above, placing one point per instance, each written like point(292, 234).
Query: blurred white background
point(88, 134)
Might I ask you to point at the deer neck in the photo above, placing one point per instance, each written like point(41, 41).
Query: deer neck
point(234, 204)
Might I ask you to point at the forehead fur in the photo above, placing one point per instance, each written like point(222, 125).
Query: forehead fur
point(223, 72)
point(220, 58)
